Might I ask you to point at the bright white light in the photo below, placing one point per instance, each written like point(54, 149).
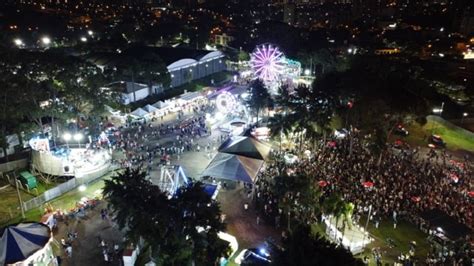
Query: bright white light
point(83, 39)
point(307, 72)
point(78, 136)
point(18, 42)
point(90, 32)
point(82, 188)
point(442, 29)
point(225, 102)
point(349, 50)
point(465, 114)
point(441, 55)
point(267, 62)
point(219, 116)
point(67, 136)
point(46, 40)
point(439, 229)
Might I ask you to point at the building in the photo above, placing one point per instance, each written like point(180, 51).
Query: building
point(289, 13)
point(130, 91)
point(223, 39)
point(184, 65)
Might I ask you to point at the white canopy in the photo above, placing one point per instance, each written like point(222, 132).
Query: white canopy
point(150, 108)
point(139, 112)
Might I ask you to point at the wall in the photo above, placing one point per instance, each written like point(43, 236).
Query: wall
point(14, 165)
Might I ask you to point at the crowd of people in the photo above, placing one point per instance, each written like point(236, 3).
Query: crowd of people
point(145, 142)
point(399, 184)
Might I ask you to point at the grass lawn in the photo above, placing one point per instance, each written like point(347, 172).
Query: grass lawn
point(64, 202)
point(401, 236)
point(455, 137)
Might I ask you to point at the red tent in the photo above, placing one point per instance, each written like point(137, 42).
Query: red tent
point(368, 184)
point(415, 199)
point(322, 183)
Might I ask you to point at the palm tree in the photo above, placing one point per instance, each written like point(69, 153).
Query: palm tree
point(260, 98)
point(280, 126)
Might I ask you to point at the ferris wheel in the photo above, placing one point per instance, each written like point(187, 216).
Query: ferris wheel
point(267, 62)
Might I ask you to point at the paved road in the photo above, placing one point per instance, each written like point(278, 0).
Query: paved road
point(240, 223)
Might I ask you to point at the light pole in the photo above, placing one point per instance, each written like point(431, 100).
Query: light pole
point(78, 137)
point(463, 115)
point(46, 40)
point(67, 137)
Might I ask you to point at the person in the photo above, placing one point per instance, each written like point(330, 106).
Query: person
point(69, 251)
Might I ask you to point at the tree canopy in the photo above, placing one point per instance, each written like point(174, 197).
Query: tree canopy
point(180, 228)
point(302, 248)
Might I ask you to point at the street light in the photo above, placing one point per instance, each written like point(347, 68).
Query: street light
point(463, 115)
point(90, 32)
point(46, 40)
point(18, 42)
point(78, 137)
point(307, 72)
point(67, 137)
point(83, 39)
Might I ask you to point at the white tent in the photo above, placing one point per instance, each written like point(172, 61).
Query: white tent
point(139, 112)
point(150, 108)
point(161, 104)
point(24, 242)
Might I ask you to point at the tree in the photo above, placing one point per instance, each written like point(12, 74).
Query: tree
point(259, 97)
point(302, 248)
point(180, 229)
point(280, 125)
point(297, 194)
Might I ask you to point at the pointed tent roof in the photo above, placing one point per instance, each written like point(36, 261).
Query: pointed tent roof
point(161, 104)
point(139, 112)
point(150, 108)
point(233, 167)
point(246, 146)
point(18, 242)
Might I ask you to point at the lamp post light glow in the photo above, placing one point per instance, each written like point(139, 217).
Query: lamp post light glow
point(78, 137)
point(90, 32)
point(67, 137)
point(83, 39)
point(18, 42)
point(462, 118)
point(46, 40)
point(307, 72)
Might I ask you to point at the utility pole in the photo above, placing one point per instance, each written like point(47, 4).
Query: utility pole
point(19, 199)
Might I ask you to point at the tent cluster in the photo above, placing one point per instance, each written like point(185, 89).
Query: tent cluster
point(157, 108)
point(239, 158)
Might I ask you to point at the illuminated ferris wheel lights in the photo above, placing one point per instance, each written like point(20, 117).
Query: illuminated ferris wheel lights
point(267, 62)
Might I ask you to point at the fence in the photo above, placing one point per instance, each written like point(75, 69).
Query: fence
point(13, 165)
point(65, 187)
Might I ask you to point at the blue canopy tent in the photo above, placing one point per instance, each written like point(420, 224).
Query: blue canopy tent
point(245, 146)
point(233, 167)
point(19, 242)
